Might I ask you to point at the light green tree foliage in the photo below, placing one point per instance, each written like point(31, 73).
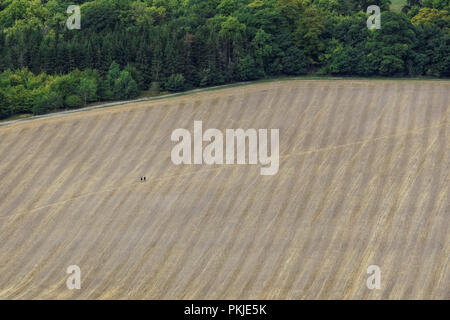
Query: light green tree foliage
point(176, 82)
point(74, 101)
point(5, 110)
point(125, 87)
point(88, 90)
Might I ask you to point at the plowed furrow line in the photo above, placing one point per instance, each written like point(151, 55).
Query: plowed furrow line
point(232, 289)
point(367, 211)
point(416, 198)
point(360, 192)
point(41, 169)
point(300, 267)
point(17, 167)
point(290, 226)
point(197, 235)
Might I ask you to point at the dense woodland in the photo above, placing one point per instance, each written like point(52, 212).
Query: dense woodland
point(125, 47)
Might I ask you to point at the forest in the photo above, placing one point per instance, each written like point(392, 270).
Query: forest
point(127, 47)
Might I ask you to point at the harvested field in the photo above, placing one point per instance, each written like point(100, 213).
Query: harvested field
point(363, 180)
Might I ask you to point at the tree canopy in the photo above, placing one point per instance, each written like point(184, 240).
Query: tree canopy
point(127, 46)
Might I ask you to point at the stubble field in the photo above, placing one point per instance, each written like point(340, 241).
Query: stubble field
point(363, 180)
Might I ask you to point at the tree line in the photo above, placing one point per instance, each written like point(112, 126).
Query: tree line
point(125, 47)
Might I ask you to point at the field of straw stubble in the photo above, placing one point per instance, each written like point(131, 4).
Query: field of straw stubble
point(363, 180)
